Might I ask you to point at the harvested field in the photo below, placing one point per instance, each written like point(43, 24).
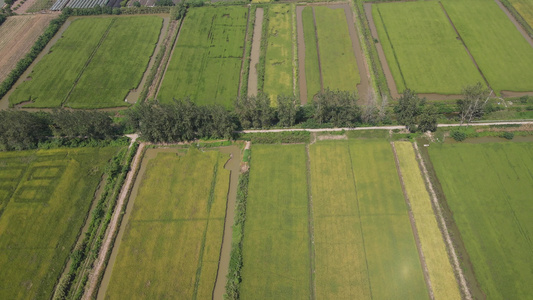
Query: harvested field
point(276, 261)
point(525, 9)
point(441, 274)
point(44, 199)
point(422, 49)
point(506, 65)
point(279, 54)
point(92, 76)
point(488, 189)
point(190, 192)
point(17, 36)
point(206, 62)
point(364, 246)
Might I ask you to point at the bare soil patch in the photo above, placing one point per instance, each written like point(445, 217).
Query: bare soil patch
point(24, 7)
point(256, 51)
point(17, 36)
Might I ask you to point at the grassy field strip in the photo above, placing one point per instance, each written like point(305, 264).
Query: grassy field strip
point(276, 261)
point(118, 66)
point(393, 263)
point(312, 71)
point(279, 54)
point(337, 58)
point(340, 259)
point(525, 9)
point(505, 65)
point(179, 210)
point(53, 77)
point(440, 271)
point(206, 62)
point(425, 46)
point(45, 196)
point(488, 188)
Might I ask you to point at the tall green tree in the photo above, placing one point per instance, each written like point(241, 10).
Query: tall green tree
point(408, 109)
point(287, 109)
point(472, 106)
point(337, 107)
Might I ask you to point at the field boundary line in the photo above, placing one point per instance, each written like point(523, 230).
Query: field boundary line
point(392, 47)
point(445, 232)
point(310, 225)
point(360, 221)
point(413, 225)
point(464, 44)
point(89, 59)
point(243, 57)
point(318, 52)
point(100, 262)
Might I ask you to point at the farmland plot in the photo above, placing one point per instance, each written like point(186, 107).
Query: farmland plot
point(102, 70)
point(17, 36)
point(488, 188)
point(276, 262)
point(312, 71)
point(363, 240)
point(525, 9)
point(483, 26)
point(171, 245)
point(206, 61)
point(279, 54)
point(422, 49)
point(44, 198)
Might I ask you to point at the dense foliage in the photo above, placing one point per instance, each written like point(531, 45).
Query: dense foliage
point(413, 112)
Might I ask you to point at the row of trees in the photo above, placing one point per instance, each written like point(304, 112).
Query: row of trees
point(23, 130)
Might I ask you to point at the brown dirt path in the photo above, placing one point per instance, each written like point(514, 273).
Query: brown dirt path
point(444, 228)
point(301, 55)
point(256, 51)
point(515, 22)
point(234, 165)
point(413, 226)
point(99, 264)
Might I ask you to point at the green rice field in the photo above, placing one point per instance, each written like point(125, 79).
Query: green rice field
point(45, 197)
point(502, 53)
point(101, 71)
point(171, 245)
point(276, 261)
point(206, 62)
point(279, 54)
point(422, 49)
point(488, 188)
point(312, 71)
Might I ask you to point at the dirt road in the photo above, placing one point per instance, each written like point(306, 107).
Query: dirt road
point(256, 51)
point(99, 264)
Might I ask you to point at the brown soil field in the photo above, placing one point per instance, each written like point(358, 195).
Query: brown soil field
point(256, 51)
point(17, 36)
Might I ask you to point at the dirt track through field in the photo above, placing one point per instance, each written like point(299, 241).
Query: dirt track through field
point(234, 166)
point(99, 263)
point(515, 22)
point(301, 54)
point(256, 52)
point(413, 225)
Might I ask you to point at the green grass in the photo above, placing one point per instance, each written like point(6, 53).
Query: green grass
point(488, 188)
point(439, 268)
point(206, 62)
point(276, 261)
point(525, 8)
point(98, 52)
point(171, 245)
point(364, 247)
point(279, 54)
point(44, 199)
point(337, 57)
point(312, 72)
point(421, 48)
point(118, 65)
point(501, 52)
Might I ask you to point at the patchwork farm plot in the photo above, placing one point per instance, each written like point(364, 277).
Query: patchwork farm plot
point(488, 189)
point(353, 240)
point(44, 198)
point(171, 245)
point(17, 35)
point(279, 68)
point(206, 61)
point(102, 70)
point(330, 56)
point(443, 46)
